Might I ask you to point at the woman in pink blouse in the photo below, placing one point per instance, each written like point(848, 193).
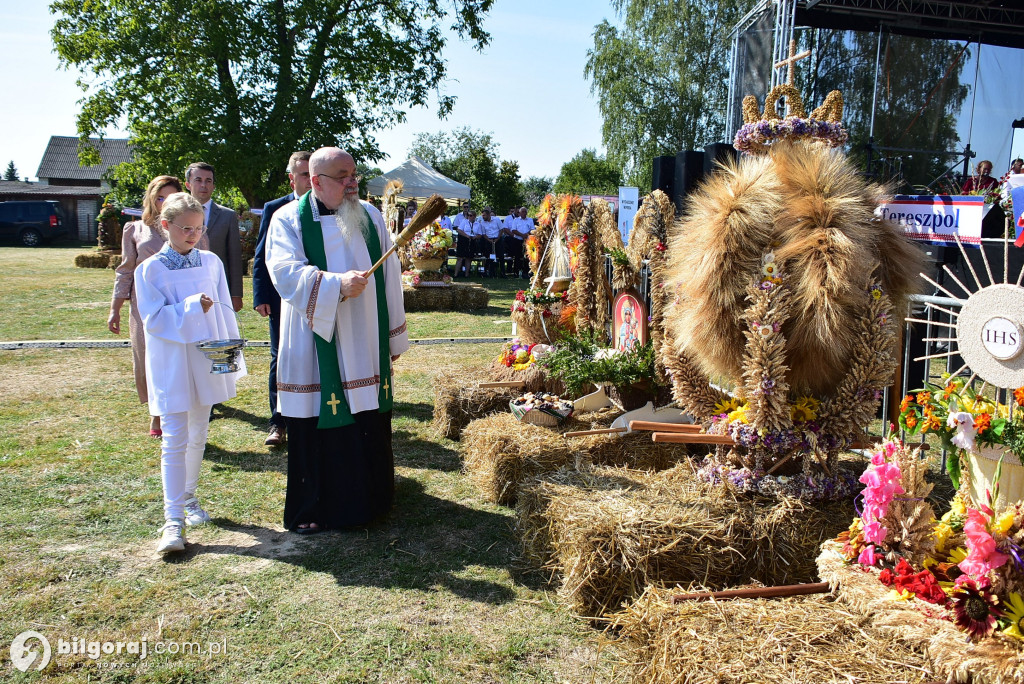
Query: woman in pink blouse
point(141, 240)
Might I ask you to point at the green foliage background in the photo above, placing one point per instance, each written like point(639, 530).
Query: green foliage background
point(242, 84)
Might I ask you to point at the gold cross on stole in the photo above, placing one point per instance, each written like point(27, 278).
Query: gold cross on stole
point(386, 388)
point(333, 403)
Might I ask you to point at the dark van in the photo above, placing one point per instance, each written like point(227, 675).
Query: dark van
point(32, 222)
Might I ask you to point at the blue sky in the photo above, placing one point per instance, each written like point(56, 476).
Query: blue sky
point(527, 87)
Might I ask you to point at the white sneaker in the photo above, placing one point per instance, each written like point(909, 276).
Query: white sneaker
point(172, 537)
point(194, 513)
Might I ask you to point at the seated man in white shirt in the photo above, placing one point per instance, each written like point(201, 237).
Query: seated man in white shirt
point(520, 227)
point(462, 224)
point(488, 235)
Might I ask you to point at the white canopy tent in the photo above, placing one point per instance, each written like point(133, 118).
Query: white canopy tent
point(421, 181)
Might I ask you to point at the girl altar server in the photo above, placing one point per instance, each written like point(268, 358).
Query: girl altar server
point(179, 291)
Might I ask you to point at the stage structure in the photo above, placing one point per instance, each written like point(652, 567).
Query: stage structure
point(775, 33)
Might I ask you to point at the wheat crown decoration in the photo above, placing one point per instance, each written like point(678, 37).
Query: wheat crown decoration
point(761, 130)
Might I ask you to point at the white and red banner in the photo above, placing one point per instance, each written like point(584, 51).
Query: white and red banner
point(937, 218)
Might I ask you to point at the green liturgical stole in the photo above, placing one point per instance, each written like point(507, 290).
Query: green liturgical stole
point(334, 410)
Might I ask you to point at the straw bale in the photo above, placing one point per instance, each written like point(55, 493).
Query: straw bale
point(995, 660)
point(93, 260)
point(455, 297)
point(609, 543)
point(533, 525)
point(499, 452)
point(779, 641)
point(458, 400)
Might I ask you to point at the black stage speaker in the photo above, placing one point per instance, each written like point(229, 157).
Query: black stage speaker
point(688, 173)
point(717, 152)
point(663, 174)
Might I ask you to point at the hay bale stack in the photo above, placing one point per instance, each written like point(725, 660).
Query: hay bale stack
point(456, 297)
point(93, 260)
point(609, 543)
point(533, 526)
point(458, 400)
point(779, 641)
point(499, 452)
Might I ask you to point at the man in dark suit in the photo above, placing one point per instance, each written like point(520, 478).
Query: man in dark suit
point(265, 299)
point(221, 227)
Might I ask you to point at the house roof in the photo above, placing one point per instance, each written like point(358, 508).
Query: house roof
point(10, 189)
point(61, 158)
point(420, 181)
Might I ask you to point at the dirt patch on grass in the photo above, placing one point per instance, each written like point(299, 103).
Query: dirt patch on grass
point(34, 375)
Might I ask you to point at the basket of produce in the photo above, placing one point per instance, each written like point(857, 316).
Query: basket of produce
point(543, 409)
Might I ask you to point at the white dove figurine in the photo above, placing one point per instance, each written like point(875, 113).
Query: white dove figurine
point(963, 423)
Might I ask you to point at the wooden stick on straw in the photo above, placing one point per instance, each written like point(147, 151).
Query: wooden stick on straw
point(756, 592)
point(432, 210)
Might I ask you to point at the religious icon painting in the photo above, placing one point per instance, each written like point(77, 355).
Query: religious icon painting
point(629, 320)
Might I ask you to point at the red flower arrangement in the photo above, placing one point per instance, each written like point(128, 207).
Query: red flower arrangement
point(922, 584)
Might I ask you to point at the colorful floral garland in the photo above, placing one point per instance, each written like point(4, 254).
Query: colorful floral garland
point(815, 487)
point(760, 135)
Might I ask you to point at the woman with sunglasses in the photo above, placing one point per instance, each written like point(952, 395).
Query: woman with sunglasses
point(141, 240)
point(183, 299)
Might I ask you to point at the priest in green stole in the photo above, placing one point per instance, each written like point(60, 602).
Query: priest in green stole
point(340, 334)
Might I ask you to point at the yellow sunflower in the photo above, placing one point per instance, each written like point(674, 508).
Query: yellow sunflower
point(957, 555)
point(805, 409)
point(1014, 608)
point(727, 405)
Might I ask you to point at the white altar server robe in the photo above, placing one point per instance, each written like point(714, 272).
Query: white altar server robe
point(177, 373)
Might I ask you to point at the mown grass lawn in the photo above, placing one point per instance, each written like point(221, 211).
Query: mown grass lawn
point(432, 593)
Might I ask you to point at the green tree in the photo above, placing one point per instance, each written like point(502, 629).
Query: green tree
point(535, 188)
point(589, 174)
point(919, 97)
point(11, 174)
point(662, 79)
point(471, 157)
point(243, 83)
point(366, 172)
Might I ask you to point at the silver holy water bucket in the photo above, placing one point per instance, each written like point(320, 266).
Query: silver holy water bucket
point(224, 355)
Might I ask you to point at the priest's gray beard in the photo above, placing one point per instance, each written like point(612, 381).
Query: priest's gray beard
point(352, 218)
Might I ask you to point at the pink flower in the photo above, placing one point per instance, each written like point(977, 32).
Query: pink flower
point(867, 556)
point(874, 532)
point(882, 484)
point(982, 556)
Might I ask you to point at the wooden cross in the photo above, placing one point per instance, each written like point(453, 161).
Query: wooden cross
point(792, 60)
point(333, 403)
point(386, 387)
